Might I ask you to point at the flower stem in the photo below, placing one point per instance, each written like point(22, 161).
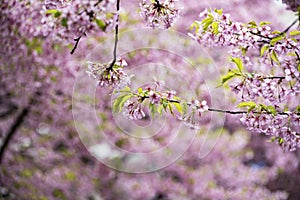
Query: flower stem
point(116, 38)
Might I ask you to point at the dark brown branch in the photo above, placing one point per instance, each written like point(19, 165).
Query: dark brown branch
point(91, 15)
point(116, 38)
point(226, 111)
point(274, 77)
point(97, 3)
point(298, 57)
point(18, 122)
point(257, 34)
point(270, 38)
point(238, 112)
point(13, 129)
point(212, 109)
point(76, 44)
point(157, 3)
point(287, 29)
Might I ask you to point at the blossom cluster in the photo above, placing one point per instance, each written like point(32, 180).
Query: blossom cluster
point(279, 55)
point(68, 20)
point(159, 14)
point(258, 86)
point(133, 110)
point(284, 128)
point(217, 29)
point(194, 112)
point(110, 74)
point(160, 100)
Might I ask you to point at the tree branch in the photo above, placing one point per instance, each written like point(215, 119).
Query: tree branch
point(287, 29)
point(270, 38)
point(17, 123)
point(97, 3)
point(274, 77)
point(76, 44)
point(226, 111)
point(13, 129)
point(213, 109)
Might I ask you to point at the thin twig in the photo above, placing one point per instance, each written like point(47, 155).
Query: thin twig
point(213, 109)
point(270, 38)
point(287, 29)
point(90, 14)
point(298, 57)
point(274, 77)
point(76, 44)
point(116, 38)
point(97, 3)
point(226, 111)
point(239, 111)
point(257, 34)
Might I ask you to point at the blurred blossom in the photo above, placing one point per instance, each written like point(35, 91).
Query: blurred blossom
point(292, 4)
point(108, 75)
point(159, 14)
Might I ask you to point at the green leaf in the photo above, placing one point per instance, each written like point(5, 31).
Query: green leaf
point(276, 39)
point(276, 32)
point(215, 27)
point(252, 24)
point(54, 12)
point(126, 89)
point(178, 106)
point(159, 109)
point(153, 109)
point(264, 49)
point(263, 23)
point(64, 22)
point(184, 107)
point(238, 62)
point(140, 90)
point(228, 76)
point(269, 109)
point(206, 22)
point(195, 25)
point(119, 102)
point(294, 33)
point(297, 109)
point(244, 51)
point(165, 104)
point(220, 11)
point(246, 104)
point(274, 56)
point(101, 24)
point(272, 110)
point(280, 140)
point(123, 101)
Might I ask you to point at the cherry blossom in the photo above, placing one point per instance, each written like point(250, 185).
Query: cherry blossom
point(107, 75)
point(159, 14)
